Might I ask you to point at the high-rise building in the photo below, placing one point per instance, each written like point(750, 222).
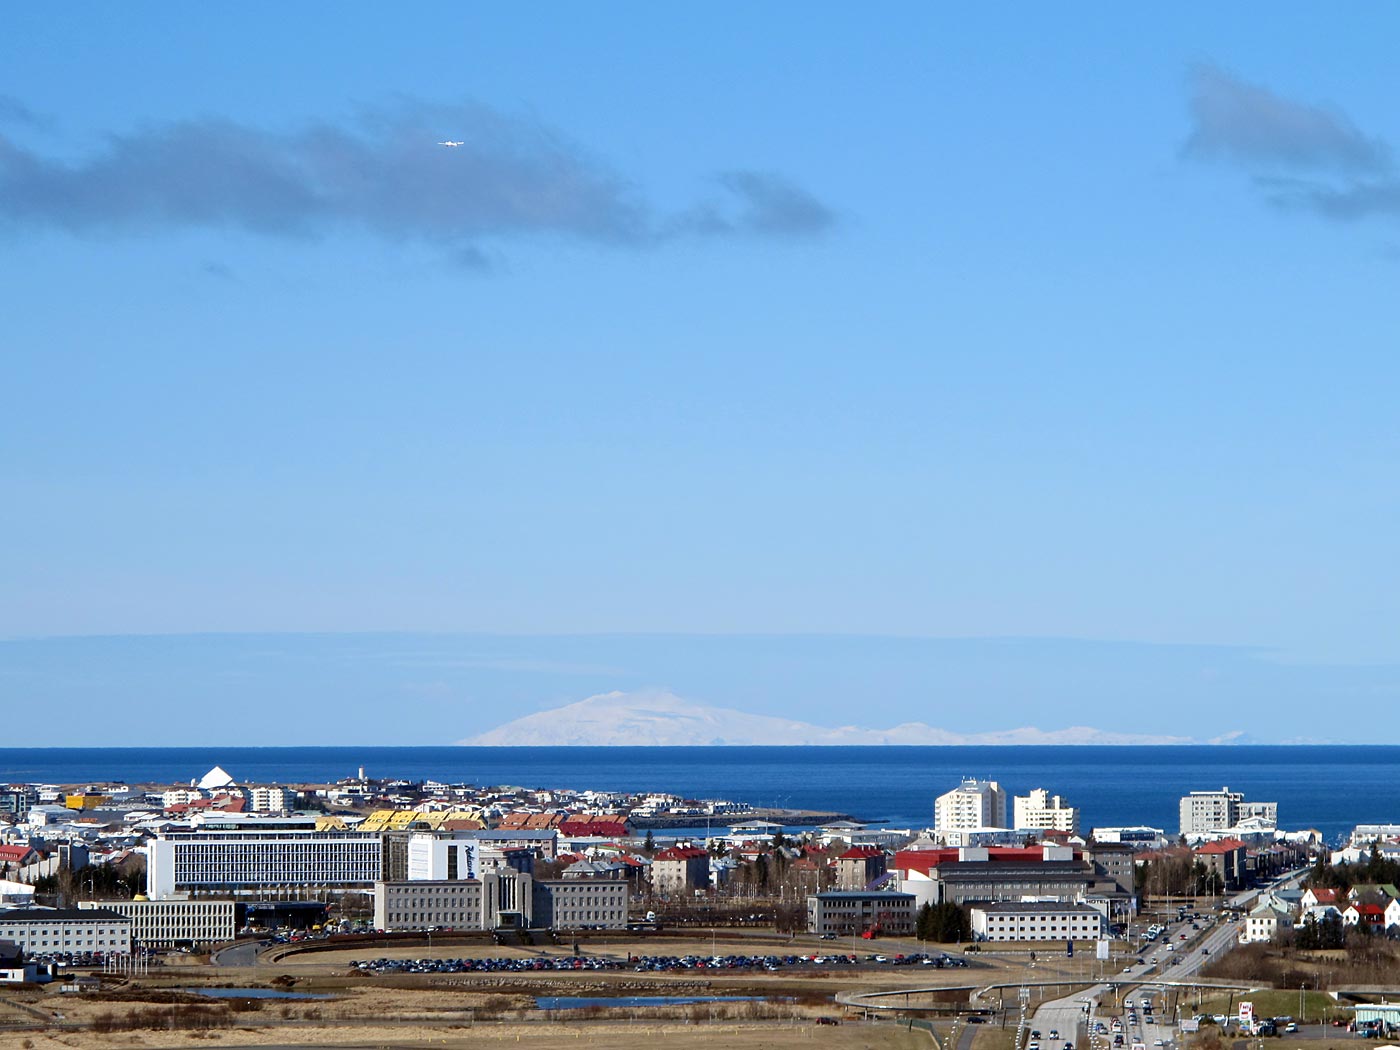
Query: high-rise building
point(972, 804)
point(1207, 811)
point(1042, 811)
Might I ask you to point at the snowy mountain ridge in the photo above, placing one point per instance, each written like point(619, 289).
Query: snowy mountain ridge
point(662, 719)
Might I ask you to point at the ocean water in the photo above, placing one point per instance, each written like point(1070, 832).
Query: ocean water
point(1330, 788)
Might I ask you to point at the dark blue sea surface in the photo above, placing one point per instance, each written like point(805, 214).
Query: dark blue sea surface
point(1330, 788)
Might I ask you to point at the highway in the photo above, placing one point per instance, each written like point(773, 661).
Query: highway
point(1074, 1017)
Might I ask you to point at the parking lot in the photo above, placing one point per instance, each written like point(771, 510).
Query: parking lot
point(653, 963)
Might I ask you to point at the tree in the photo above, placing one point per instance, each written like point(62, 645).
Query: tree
point(945, 923)
point(649, 846)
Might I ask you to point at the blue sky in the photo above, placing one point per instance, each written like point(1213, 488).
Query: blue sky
point(936, 322)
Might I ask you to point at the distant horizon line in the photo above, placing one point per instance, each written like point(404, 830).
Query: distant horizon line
point(692, 747)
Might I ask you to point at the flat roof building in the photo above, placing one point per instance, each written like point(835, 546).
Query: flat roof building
point(847, 913)
point(1036, 921)
point(255, 861)
point(173, 923)
point(51, 931)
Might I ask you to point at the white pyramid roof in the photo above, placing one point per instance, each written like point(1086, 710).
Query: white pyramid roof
point(215, 778)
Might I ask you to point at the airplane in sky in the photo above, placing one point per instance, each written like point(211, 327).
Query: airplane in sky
point(449, 142)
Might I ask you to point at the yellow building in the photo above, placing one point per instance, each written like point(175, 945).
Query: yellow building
point(85, 801)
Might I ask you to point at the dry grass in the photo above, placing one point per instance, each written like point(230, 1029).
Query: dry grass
point(1369, 962)
point(640, 1036)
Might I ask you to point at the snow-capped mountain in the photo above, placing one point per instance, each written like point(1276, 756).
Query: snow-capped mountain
point(662, 719)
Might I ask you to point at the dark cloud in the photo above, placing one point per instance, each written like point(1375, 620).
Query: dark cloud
point(757, 203)
point(1301, 157)
point(383, 173)
point(13, 111)
point(1356, 200)
point(1251, 125)
point(770, 204)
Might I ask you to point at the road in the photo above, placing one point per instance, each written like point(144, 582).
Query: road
point(242, 954)
point(1072, 1017)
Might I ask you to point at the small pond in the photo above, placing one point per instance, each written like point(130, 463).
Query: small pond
point(579, 1002)
point(251, 993)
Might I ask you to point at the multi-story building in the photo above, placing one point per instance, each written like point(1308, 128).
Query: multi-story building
point(1113, 861)
point(41, 931)
point(501, 899)
point(1042, 811)
point(572, 904)
point(1203, 812)
point(1225, 858)
point(680, 870)
point(972, 804)
point(859, 866)
point(173, 923)
point(254, 860)
point(974, 875)
point(16, 800)
point(1036, 921)
point(846, 913)
point(269, 799)
point(443, 857)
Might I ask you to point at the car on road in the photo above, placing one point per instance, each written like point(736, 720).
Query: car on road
point(1290, 1028)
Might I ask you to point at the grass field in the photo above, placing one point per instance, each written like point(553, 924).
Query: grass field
point(1317, 1006)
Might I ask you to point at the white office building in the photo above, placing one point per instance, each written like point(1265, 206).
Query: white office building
point(972, 804)
point(40, 931)
point(254, 861)
point(1036, 921)
point(1042, 811)
point(173, 923)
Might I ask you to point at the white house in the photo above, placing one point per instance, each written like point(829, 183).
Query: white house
point(1313, 898)
point(1392, 915)
point(1265, 923)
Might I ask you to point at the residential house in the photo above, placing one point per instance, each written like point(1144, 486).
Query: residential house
point(1314, 897)
point(1392, 915)
point(1265, 923)
point(1367, 916)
